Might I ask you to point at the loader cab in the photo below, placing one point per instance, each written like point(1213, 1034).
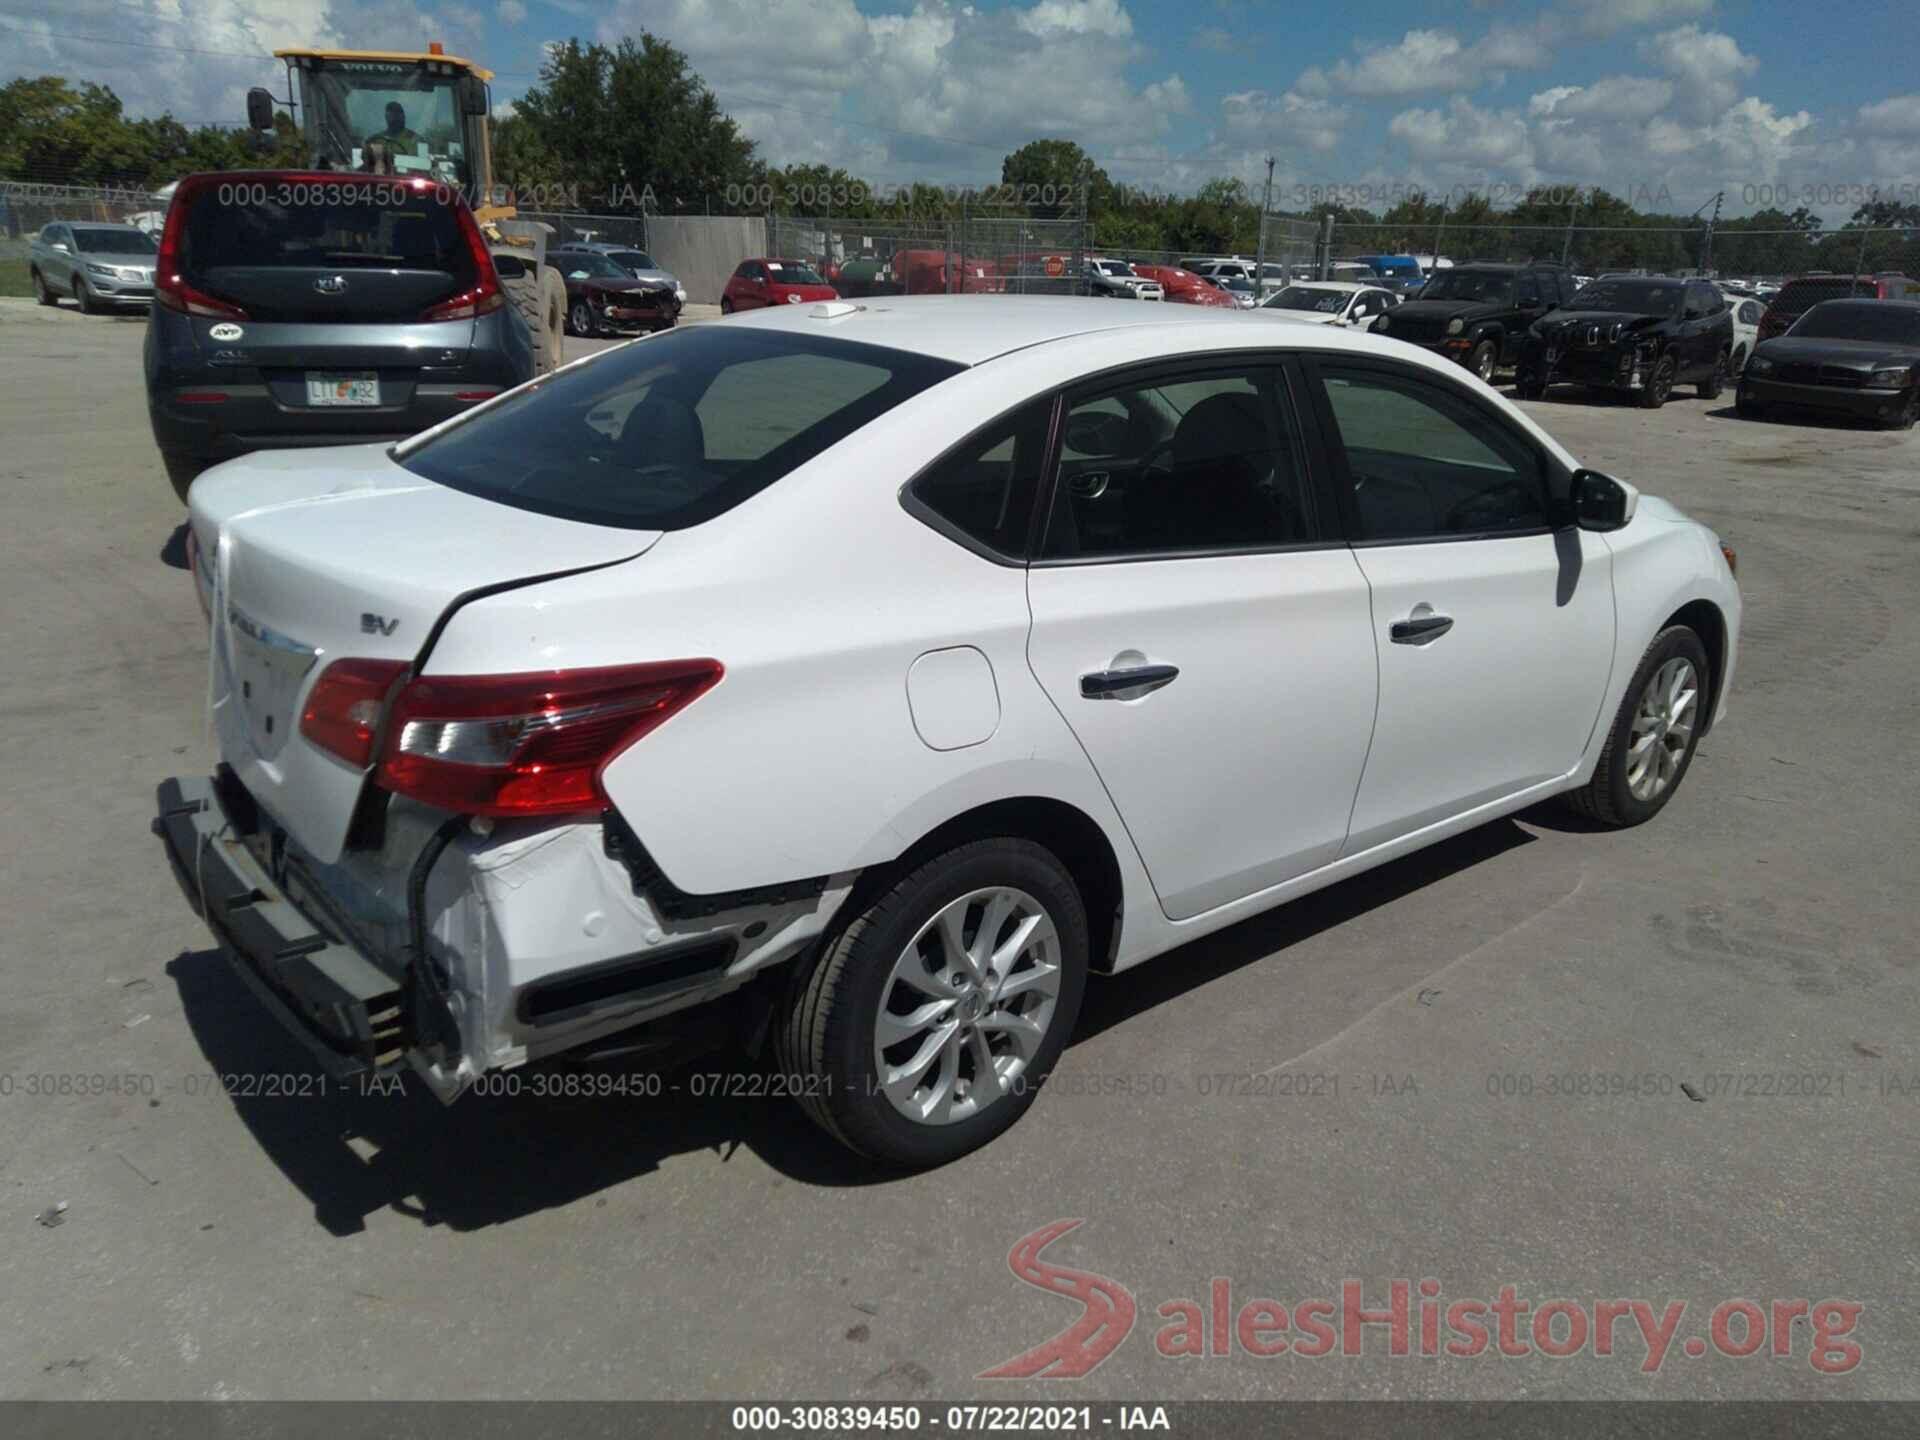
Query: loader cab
point(390, 113)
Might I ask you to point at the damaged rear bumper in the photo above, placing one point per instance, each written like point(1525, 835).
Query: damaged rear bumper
point(343, 1008)
point(511, 944)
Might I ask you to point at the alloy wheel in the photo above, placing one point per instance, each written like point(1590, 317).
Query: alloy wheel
point(966, 1005)
point(1662, 728)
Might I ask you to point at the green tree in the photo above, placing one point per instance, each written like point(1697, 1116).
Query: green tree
point(633, 125)
point(1052, 173)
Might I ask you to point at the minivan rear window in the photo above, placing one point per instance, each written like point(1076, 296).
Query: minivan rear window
point(668, 433)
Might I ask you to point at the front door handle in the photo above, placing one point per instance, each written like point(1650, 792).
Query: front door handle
point(1105, 684)
point(1419, 629)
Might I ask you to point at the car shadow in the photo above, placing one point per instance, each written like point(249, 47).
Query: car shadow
point(174, 552)
point(1797, 419)
point(354, 1149)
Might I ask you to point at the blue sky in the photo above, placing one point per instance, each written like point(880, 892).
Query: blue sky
point(1665, 99)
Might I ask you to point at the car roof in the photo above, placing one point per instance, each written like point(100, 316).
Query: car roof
point(1335, 285)
point(98, 225)
point(1863, 302)
point(971, 329)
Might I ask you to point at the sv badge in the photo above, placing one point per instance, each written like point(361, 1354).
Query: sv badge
point(371, 624)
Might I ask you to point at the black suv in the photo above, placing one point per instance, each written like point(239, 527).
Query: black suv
point(1639, 335)
point(323, 308)
point(1477, 314)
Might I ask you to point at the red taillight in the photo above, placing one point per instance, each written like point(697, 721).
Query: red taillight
point(170, 287)
point(530, 744)
point(200, 397)
point(343, 710)
point(485, 295)
point(476, 394)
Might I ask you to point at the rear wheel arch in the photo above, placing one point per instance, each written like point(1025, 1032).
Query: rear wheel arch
point(1703, 617)
point(1074, 838)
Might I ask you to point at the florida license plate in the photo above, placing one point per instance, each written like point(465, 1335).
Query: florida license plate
point(360, 388)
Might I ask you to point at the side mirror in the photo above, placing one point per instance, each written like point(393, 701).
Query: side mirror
point(260, 108)
point(1601, 502)
point(61, 248)
point(472, 92)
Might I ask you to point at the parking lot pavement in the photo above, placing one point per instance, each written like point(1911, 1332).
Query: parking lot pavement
point(1398, 1058)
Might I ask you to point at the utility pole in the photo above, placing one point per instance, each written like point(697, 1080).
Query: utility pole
point(1573, 211)
point(1260, 241)
point(1706, 242)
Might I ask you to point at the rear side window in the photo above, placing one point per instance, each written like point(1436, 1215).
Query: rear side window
point(983, 493)
point(668, 433)
point(1797, 295)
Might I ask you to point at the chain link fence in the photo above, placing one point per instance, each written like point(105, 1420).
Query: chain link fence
point(26, 206)
point(964, 254)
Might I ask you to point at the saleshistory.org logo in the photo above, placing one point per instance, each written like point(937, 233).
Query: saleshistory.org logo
point(1412, 1320)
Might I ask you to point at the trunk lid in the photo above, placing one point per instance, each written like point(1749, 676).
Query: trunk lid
point(310, 558)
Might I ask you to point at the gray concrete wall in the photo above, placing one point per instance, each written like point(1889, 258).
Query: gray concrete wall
point(702, 250)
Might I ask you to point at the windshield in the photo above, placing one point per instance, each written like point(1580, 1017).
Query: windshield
point(792, 272)
point(411, 113)
point(1115, 267)
point(1493, 286)
point(586, 265)
point(1636, 297)
point(665, 434)
point(1234, 282)
point(114, 242)
point(1308, 297)
point(1871, 320)
point(634, 259)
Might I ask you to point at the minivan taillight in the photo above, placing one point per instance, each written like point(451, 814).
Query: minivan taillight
point(484, 296)
point(170, 287)
point(528, 744)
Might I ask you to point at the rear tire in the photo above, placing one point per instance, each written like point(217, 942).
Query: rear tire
point(84, 296)
point(1711, 387)
point(1642, 764)
point(914, 974)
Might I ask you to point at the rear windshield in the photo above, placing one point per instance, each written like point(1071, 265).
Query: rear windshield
point(634, 259)
point(667, 433)
point(793, 272)
point(114, 242)
point(586, 265)
point(1797, 295)
point(1492, 286)
point(1861, 320)
point(352, 224)
point(1305, 297)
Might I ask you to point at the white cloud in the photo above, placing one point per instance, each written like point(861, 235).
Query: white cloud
point(1286, 121)
point(511, 12)
point(1896, 115)
point(1488, 142)
point(1076, 17)
point(1603, 17)
point(1212, 37)
point(1709, 65)
point(1430, 60)
point(1617, 97)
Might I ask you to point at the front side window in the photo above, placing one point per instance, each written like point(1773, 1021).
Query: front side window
point(670, 432)
point(1425, 464)
point(1178, 466)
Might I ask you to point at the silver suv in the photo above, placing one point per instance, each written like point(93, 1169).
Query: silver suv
point(97, 264)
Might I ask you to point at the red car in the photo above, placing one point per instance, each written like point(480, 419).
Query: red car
point(1183, 287)
point(762, 281)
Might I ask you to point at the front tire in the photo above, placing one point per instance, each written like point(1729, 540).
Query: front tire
point(1654, 733)
point(1484, 360)
point(726, 306)
point(540, 296)
point(1906, 415)
point(925, 1026)
point(41, 294)
point(1659, 384)
point(1529, 386)
point(1749, 408)
point(580, 319)
point(88, 305)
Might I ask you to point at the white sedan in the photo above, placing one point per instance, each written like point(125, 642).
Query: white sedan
point(1331, 302)
point(865, 676)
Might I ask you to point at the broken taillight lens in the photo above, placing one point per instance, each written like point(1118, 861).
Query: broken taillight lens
point(342, 714)
point(528, 744)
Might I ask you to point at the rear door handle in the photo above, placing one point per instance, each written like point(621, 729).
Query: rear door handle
point(1420, 630)
point(1105, 684)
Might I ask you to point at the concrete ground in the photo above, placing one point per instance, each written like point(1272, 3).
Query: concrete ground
point(1419, 1029)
